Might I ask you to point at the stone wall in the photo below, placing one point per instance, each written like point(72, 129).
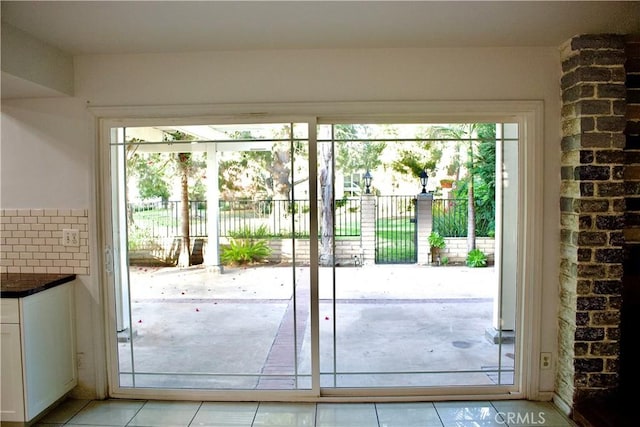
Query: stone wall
point(592, 208)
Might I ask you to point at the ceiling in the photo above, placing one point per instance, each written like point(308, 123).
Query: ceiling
point(110, 27)
point(128, 27)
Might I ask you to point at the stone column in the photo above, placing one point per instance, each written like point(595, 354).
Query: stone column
point(368, 228)
point(592, 216)
point(424, 225)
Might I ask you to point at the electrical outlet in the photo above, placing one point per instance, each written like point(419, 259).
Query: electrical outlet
point(80, 360)
point(70, 237)
point(545, 360)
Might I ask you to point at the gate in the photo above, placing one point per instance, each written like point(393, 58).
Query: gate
point(396, 233)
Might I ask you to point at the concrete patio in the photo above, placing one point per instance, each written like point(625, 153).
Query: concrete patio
point(395, 326)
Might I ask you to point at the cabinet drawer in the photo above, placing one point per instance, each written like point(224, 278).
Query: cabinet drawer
point(9, 311)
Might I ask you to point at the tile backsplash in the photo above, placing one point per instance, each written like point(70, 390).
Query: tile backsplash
point(31, 241)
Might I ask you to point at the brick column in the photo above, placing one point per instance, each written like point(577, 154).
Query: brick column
point(592, 216)
point(424, 225)
point(368, 228)
point(629, 369)
point(632, 150)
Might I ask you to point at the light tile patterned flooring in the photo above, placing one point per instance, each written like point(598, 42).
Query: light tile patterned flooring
point(139, 413)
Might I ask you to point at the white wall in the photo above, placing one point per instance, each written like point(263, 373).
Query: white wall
point(300, 76)
point(45, 162)
point(45, 154)
point(320, 75)
point(26, 57)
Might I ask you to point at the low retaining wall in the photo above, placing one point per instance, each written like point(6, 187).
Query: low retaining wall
point(456, 248)
point(165, 251)
point(349, 251)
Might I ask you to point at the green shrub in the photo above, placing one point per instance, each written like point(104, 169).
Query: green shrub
point(450, 217)
point(247, 233)
point(141, 239)
point(444, 260)
point(476, 258)
point(245, 251)
point(436, 240)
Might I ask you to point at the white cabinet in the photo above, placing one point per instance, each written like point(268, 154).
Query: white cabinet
point(38, 352)
point(12, 404)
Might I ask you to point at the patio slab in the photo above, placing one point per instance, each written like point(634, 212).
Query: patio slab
point(189, 323)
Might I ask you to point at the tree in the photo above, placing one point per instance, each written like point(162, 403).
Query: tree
point(266, 174)
point(484, 170)
point(150, 168)
point(423, 156)
point(462, 132)
point(413, 162)
point(351, 155)
point(131, 159)
point(185, 166)
point(326, 211)
point(356, 156)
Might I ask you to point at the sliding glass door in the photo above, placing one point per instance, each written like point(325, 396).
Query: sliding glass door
point(296, 259)
point(210, 231)
point(394, 312)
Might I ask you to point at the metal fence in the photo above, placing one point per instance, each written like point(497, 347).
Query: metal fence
point(162, 219)
point(282, 218)
point(396, 232)
point(238, 218)
point(450, 217)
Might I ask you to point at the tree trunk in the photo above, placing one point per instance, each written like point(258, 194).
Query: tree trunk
point(280, 170)
point(471, 208)
point(184, 260)
point(326, 194)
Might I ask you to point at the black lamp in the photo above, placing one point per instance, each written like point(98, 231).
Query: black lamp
point(367, 182)
point(423, 181)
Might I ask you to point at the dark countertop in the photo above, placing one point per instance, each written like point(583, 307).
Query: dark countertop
point(18, 285)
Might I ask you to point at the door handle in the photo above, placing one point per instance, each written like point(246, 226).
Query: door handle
point(108, 259)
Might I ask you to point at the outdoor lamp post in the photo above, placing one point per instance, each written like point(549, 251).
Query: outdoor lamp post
point(367, 182)
point(423, 181)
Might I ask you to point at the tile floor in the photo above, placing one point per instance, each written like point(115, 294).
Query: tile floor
point(139, 413)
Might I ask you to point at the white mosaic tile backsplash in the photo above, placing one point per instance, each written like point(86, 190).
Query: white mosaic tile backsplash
point(31, 241)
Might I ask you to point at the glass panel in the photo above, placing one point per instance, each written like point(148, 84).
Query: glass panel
point(211, 242)
point(211, 224)
point(395, 310)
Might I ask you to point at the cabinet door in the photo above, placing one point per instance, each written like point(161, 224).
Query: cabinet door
point(49, 347)
point(11, 370)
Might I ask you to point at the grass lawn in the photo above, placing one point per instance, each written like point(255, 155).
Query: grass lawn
point(395, 240)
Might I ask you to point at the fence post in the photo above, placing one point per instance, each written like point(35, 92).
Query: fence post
point(424, 225)
point(368, 228)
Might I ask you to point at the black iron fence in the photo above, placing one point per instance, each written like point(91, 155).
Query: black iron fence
point(450, 217)
point(282, 218)
point(237, 218)
point(395, 230)
point(163, 219)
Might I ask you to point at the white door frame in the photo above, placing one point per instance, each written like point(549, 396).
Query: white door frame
point(527, 114)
